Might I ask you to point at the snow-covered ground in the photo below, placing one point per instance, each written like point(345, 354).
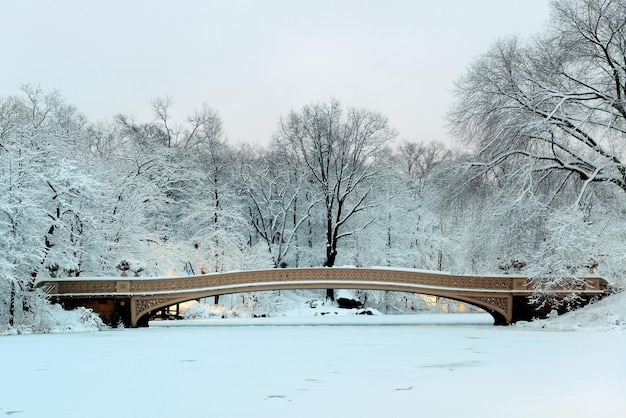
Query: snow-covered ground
point(322, 366)
point(608, 314)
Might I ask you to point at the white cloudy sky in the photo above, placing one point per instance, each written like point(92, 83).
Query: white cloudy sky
point(255, 60)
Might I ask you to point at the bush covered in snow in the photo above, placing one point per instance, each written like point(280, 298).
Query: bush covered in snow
point(53, 318)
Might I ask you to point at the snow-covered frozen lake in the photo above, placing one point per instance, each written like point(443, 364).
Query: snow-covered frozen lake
point(417, 365)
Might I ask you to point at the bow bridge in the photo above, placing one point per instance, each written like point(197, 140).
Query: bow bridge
point(133, 300)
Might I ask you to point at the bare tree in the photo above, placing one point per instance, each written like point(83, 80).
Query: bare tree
point(277, 202)
point(341, 152)
point(419, 158)
point(161, 107)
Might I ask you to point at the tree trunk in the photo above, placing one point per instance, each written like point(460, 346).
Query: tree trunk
point(12, 305)
point(331, 254)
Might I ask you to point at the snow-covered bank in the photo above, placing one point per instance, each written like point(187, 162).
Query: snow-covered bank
point(608, 314)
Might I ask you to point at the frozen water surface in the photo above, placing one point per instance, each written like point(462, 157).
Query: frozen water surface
point(418, 365)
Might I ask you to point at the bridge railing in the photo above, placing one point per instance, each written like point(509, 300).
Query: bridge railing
point(149, 285)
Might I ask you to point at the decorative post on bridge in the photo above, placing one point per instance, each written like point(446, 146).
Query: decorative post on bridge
point(124, 266)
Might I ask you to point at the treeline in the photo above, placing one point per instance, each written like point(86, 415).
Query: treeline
point(82, 198)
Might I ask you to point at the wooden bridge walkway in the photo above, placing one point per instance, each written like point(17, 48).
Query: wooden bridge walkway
point(133, 300)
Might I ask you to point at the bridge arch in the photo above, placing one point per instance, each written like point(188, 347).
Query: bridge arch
point(476, 291)
point(144, 308)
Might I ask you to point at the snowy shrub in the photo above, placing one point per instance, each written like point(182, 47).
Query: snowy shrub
point(77, 320)
point(52, 318)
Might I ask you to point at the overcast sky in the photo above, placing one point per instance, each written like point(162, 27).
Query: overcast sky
point(255, 60)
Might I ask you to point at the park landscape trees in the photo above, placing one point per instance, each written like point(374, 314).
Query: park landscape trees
point(53, 213)
point(162, 195)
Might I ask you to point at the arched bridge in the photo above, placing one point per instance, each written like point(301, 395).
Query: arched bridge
point(132, 300)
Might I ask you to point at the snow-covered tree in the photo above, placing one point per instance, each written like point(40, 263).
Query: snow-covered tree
point(280, 203)
point(341, 151)
point(214, 222)
point(553, 104)
point(544, 119)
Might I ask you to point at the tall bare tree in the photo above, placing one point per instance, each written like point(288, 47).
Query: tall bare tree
point(341, 150)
